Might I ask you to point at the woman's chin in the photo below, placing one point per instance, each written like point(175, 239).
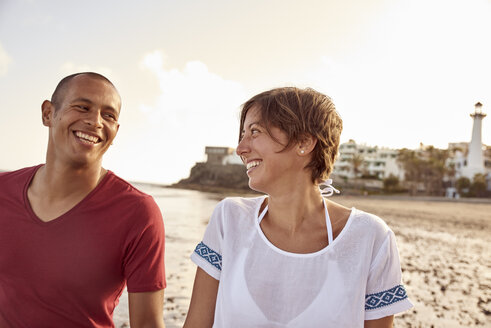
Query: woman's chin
point(256, 186)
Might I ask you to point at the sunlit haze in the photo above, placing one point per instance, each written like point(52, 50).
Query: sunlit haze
point(400, 72)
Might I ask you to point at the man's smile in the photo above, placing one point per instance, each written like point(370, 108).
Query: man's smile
point(86, 138)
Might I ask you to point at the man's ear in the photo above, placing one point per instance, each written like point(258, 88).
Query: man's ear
point(306, 144)
point(47, 112)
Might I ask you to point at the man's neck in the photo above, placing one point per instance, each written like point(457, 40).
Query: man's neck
point(55, 188)
point(58, 180)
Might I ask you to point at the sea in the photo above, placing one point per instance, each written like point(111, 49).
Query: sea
point(186, 214)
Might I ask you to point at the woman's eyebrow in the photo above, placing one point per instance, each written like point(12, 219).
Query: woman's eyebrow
point(251, 124)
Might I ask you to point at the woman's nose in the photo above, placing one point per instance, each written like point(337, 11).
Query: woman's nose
point(242, 147)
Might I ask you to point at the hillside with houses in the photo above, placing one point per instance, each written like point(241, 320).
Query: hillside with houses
point(461, 170)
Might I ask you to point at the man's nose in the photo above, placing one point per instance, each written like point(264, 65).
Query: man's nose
point(94, 118)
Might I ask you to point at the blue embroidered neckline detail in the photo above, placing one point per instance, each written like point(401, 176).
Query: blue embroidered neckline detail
point(385, 298)
point(209, 255)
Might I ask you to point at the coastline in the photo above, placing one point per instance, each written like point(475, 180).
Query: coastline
point(216, 189)
point(345, 193)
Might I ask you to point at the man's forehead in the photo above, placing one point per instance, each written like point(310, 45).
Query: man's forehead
point(88, 79)
point(86, 82)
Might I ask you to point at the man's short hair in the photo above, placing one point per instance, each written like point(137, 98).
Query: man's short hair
point(58, 94)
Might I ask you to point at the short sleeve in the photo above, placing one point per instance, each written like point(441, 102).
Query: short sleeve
point(385, 295)
point(208, 253)
point(144, 266)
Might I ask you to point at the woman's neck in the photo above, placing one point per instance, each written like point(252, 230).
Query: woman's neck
point(295, 206)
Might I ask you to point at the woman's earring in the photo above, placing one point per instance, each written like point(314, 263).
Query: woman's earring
point(302, 151)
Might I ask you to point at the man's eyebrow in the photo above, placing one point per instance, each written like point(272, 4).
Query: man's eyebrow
point(82, 100)
point(88, 101)
point(111, 109)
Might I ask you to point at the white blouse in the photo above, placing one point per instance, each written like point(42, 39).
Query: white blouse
point(356, 277)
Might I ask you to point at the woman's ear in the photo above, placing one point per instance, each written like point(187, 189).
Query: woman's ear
point(306, 144)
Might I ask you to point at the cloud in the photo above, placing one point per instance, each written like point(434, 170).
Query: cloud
point(70, 68)
point(195, 108)
point(408, 83)
point(5, 61)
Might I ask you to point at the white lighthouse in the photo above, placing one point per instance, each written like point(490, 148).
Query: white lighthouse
point(475, 159)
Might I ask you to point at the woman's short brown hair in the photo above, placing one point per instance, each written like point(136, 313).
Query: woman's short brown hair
point(301, 112)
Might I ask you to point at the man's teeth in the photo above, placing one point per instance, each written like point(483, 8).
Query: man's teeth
point(87, 137)
point(253, 164)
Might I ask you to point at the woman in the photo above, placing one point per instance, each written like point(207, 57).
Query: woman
point(292, 258)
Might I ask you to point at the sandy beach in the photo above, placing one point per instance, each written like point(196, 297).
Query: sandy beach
point(445, 250)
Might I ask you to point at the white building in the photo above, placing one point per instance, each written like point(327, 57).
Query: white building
point(222, 155)
point(470, 158)
point(377, 162)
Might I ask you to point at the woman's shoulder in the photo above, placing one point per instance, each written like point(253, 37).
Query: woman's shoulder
point(236, 212)
point(360, 223)
point(369, 222)
point(234, 207)
point(241, 203)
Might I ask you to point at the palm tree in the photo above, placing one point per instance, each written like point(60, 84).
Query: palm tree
point(462, 184)
point(478, 185)
point(356, 163)
point(436, 168)
point(411, 164)
point(424, 167)
point(451, 172)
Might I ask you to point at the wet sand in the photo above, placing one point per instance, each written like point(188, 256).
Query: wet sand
point(445, 250)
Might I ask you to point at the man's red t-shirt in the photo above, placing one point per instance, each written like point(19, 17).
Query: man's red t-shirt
point(71, 271)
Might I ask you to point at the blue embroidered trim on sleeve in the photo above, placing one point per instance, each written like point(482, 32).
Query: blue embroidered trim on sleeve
point(387, 297)
point(210, 255)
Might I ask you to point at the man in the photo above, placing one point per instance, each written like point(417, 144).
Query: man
point(72, 233)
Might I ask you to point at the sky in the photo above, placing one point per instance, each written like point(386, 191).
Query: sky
point(400, 72)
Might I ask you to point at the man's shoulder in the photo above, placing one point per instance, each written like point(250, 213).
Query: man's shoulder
point(17, 176)
point(126, 195)
point(123, 187)
point(19, 172)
